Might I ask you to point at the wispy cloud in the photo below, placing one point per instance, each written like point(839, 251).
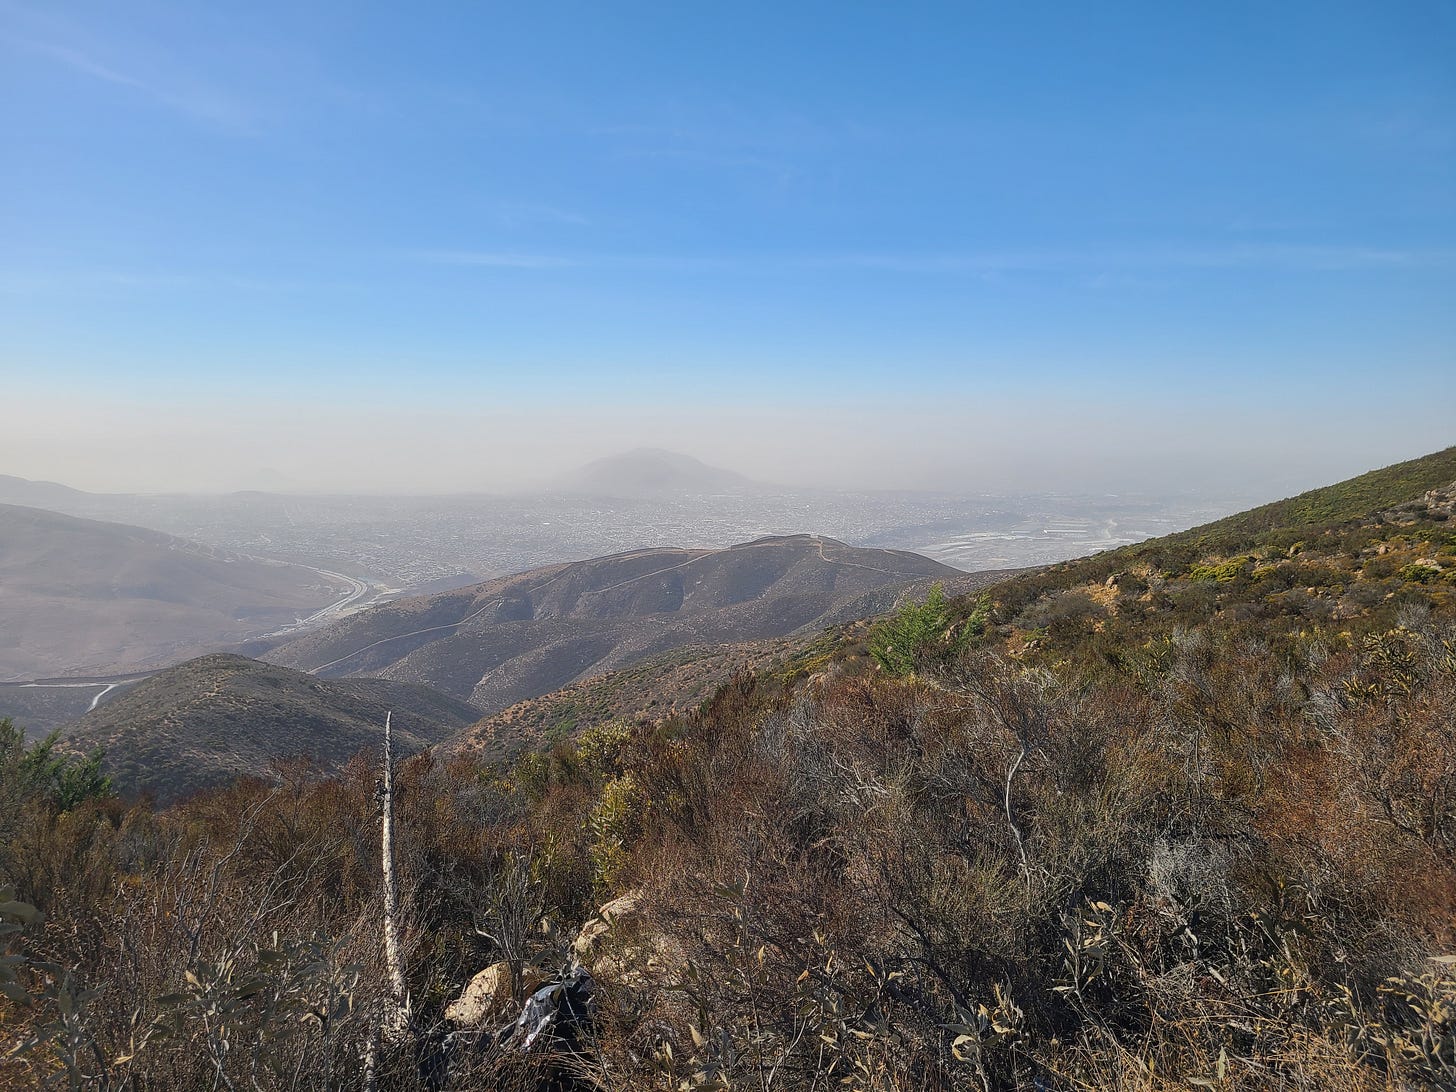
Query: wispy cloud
point(79, 61)
point(782, 148)
point(1311, 258)
point(101, 282)
point(135, 67)
point(1093, 268)
point(667, 263)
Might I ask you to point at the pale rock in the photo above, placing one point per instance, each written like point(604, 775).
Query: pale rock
point(607, 916)
point(488, 993)
point(635, 959)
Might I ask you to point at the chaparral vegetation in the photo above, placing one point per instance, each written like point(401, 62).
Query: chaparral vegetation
point(1180, 815)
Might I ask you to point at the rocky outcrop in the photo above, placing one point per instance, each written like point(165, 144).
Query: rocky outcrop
point(488, 996)
point(623, 950)
point(623, 907)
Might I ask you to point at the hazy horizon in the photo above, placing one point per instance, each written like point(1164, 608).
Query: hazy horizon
point(1045, 448)
point(363, 250)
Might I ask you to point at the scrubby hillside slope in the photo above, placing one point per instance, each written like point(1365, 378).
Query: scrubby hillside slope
point(1182, 815)
point(677, 681)
point(669, 683)
point(1357, 498)
point(1354, 557)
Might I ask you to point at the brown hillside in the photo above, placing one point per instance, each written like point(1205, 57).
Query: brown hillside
point(81, 596)
point(498, 643)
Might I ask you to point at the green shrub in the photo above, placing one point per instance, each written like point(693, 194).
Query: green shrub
point(921, 636)
point(613, 824)
point(64, 781)
point(1224, 573)
point(1419, 572)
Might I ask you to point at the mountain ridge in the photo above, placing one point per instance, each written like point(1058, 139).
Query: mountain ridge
point(517, 637)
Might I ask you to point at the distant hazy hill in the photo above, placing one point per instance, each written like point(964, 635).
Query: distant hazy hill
point(651, 472)
point(37, 494)
point(209, 720)
point(526, 635)
point(80, 596)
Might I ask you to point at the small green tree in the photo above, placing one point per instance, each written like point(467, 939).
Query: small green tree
point(922, 636)
point(65, 781)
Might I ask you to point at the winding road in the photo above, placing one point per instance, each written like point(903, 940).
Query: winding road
point(106, 684)
point(358, 589)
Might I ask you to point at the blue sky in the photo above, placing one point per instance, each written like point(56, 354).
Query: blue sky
point(675, 222)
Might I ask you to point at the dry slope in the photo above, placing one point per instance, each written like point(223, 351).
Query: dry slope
point(498, 643)
point(80, 596)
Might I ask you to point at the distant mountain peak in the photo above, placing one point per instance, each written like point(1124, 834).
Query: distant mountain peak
point(653, 472)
